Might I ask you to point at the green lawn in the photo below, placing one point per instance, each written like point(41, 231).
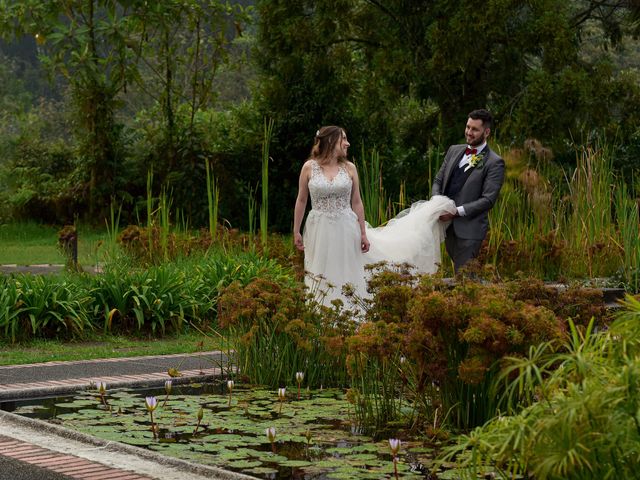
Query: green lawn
point(106, 346)
point(32, 243)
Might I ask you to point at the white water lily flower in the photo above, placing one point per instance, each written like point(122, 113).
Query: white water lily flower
point(271, 434)
point(151, 403)
point(282, 393)
point(299, 377)
point(394, 444)
point(230, 384)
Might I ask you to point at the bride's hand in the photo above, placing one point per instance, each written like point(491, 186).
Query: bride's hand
point(364, 243)
point(297, 241)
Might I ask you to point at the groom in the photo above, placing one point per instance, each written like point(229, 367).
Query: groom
point(471, 175)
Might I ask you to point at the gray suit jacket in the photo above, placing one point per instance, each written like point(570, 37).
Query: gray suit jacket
point(478, 194)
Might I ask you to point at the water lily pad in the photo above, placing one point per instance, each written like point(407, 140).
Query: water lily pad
point(452, 474)
point(242, 464)
point(266, 471)
point(79, 403)
point(295, 463)
point(272, 458)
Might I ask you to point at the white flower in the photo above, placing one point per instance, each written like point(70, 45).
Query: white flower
point(230, 384)
point(299, 377)
point(394, 444)
point(271, 434)
point(151, 403)
point(282, 393)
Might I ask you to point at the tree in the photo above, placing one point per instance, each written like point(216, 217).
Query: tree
point(104, 47)
point(522, 60)
point(182, 44)
point(86, 42)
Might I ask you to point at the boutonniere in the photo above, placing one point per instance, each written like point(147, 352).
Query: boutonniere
point(476, 161)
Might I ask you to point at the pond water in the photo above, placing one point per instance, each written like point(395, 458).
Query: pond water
point(315, 438)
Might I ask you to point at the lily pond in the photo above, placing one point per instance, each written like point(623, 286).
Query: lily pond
point(313, 438)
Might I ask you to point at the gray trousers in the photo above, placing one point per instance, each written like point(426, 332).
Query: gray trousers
point(461, 250)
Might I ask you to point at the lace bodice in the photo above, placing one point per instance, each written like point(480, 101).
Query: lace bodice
point(330, 197)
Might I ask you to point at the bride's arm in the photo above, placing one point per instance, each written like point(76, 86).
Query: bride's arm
point(301, 205)
point(357, 206)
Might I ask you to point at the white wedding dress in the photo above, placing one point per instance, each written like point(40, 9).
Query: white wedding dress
point(331, 237)
point(413, 236)
point(332, 255)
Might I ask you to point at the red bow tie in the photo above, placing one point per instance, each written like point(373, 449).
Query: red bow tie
point(471, 151)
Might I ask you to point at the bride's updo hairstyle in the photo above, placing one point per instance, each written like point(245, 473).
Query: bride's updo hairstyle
point(325, 142)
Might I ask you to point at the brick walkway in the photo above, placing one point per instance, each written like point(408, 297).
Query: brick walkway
point(68, 465)
point(53, 378)
point(25, 389)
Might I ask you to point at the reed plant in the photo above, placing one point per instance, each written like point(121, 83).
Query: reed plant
point(558, 226)
point(372, 190)
point(150, 210)
point(378, 383)
point(164, 225)
point(626, 209)
point(213, 199)
point(451, 339)
point(113, 228)
point(378, 207)
point(252, 209)
point(264, 205)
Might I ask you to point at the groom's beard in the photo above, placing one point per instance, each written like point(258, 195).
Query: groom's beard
point(478, 141)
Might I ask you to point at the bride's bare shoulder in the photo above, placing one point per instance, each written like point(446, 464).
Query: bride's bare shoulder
point(351, 168)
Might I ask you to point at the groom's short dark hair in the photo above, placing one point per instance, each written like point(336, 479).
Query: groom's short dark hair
point(484, 115)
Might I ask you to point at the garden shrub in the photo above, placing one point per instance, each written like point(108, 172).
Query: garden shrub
point(276, 331)
point(450, 340)
point(582, 419)
point(43, 306)
point(125, 298)
point(579, 304)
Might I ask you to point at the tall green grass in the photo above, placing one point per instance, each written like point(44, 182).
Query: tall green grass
point(378, 207)
point(264, 205)
point(213, 200)
point(581, 225)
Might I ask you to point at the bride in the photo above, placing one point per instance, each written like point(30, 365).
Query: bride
point(337, 242)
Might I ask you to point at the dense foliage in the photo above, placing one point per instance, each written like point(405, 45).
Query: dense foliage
point(419, 342)
point(572, 409)
point(171, 85)
point(169, 297)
